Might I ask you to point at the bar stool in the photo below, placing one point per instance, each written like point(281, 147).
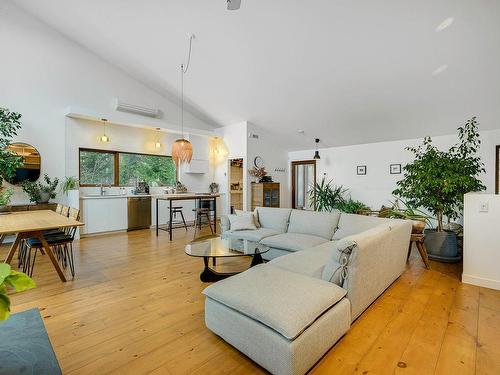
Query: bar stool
point(178, 210)
point(199, 214)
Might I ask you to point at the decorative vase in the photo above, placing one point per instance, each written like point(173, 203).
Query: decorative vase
point(44, 197)
point(442, 246)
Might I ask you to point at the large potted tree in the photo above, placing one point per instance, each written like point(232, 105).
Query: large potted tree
point(10, 123)
point(437, 181)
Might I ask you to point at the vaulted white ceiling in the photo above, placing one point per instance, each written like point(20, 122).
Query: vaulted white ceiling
point(345, 71)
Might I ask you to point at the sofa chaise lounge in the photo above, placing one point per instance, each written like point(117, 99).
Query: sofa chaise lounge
point(325, 269)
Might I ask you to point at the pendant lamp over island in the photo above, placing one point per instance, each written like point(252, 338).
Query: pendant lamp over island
point(182, 149)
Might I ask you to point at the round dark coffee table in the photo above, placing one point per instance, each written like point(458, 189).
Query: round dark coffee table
point(217, 247)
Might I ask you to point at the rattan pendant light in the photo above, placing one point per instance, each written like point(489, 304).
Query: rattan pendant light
point(182, 149)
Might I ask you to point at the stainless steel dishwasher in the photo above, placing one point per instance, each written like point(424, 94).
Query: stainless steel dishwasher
point(139, 212)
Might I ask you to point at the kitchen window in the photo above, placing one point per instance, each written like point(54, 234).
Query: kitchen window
point(125, 168)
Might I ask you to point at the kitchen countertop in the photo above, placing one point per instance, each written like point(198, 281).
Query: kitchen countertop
point(164, 196)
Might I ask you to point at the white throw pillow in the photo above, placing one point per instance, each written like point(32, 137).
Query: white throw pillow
point(335, 270)
point(242, 222)
point(254, 214)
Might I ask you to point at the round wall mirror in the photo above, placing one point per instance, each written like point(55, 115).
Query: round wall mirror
point(29, 170)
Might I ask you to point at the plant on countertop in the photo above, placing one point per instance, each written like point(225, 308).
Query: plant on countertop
point(437, 180)
point(9, 125)
point(70, 183)
point(11, 279)
point(326, 196)
point(40, 193)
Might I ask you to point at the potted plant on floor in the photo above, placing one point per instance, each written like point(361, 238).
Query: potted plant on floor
point(11, 279)
point(325, 195)
point(41, 193)
point(437, 181)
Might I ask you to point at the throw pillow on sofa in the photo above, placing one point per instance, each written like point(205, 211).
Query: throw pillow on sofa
point(242, 222)
point(336, 266)
point(254, 213)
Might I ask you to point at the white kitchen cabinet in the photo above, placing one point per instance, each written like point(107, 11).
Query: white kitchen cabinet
point(104, 215)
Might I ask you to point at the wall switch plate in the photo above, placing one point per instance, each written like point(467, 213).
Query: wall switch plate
point(483, 207)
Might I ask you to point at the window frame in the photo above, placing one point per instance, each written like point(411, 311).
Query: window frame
point(497, 165)
point(116, 159)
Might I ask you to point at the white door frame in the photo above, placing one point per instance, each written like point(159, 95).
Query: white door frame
point(228, 181)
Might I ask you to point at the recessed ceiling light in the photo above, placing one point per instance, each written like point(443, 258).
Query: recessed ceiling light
point(440, 70)
point(443, 25)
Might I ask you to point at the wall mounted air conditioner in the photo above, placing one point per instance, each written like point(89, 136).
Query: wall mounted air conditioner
point(137, 109)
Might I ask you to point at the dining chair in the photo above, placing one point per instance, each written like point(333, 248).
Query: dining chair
point(61, 244)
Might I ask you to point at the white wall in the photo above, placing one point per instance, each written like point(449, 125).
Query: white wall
point(481, 247)
point(375, 188)
point(274, 155)
point(234, 144)
point(238, 145)
point(43, 72)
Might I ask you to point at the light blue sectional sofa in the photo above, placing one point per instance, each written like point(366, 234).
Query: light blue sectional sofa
point(324, 270)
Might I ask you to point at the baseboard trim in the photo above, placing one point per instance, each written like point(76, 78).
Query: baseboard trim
point(479, 281)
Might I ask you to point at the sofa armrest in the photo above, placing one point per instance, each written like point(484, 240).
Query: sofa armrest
point(375, 263)
point(225, 224)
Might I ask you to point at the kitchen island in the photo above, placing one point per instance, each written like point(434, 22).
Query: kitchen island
point(184, 197)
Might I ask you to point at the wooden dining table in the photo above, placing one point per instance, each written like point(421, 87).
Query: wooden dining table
point(32, 224)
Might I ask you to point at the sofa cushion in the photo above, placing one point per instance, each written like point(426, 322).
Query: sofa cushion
point(321, 224)
point(293, 241)
point(242, 222)
point(274, 218)
point(251, 235)
point(284, 301)
point(350, 224)
point(308, 262)
point(254, 214)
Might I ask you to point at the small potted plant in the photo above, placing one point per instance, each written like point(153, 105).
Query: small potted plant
point(437, 181)
point(41, 193)
point(10, 279)
point(70, 188)
point(419, 218)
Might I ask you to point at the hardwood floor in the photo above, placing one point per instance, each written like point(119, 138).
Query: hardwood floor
point(136, 307)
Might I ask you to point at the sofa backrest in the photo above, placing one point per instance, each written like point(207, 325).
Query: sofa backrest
point(321, 224)
point(350, 224)
point(274, 218)
point(378, 259)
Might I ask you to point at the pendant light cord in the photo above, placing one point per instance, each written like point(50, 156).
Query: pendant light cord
point(184, 71)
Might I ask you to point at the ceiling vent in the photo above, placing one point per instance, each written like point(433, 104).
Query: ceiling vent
point(138, 110)
point(253, 136)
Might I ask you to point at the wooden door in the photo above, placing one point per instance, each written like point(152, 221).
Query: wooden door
point(303, 177)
